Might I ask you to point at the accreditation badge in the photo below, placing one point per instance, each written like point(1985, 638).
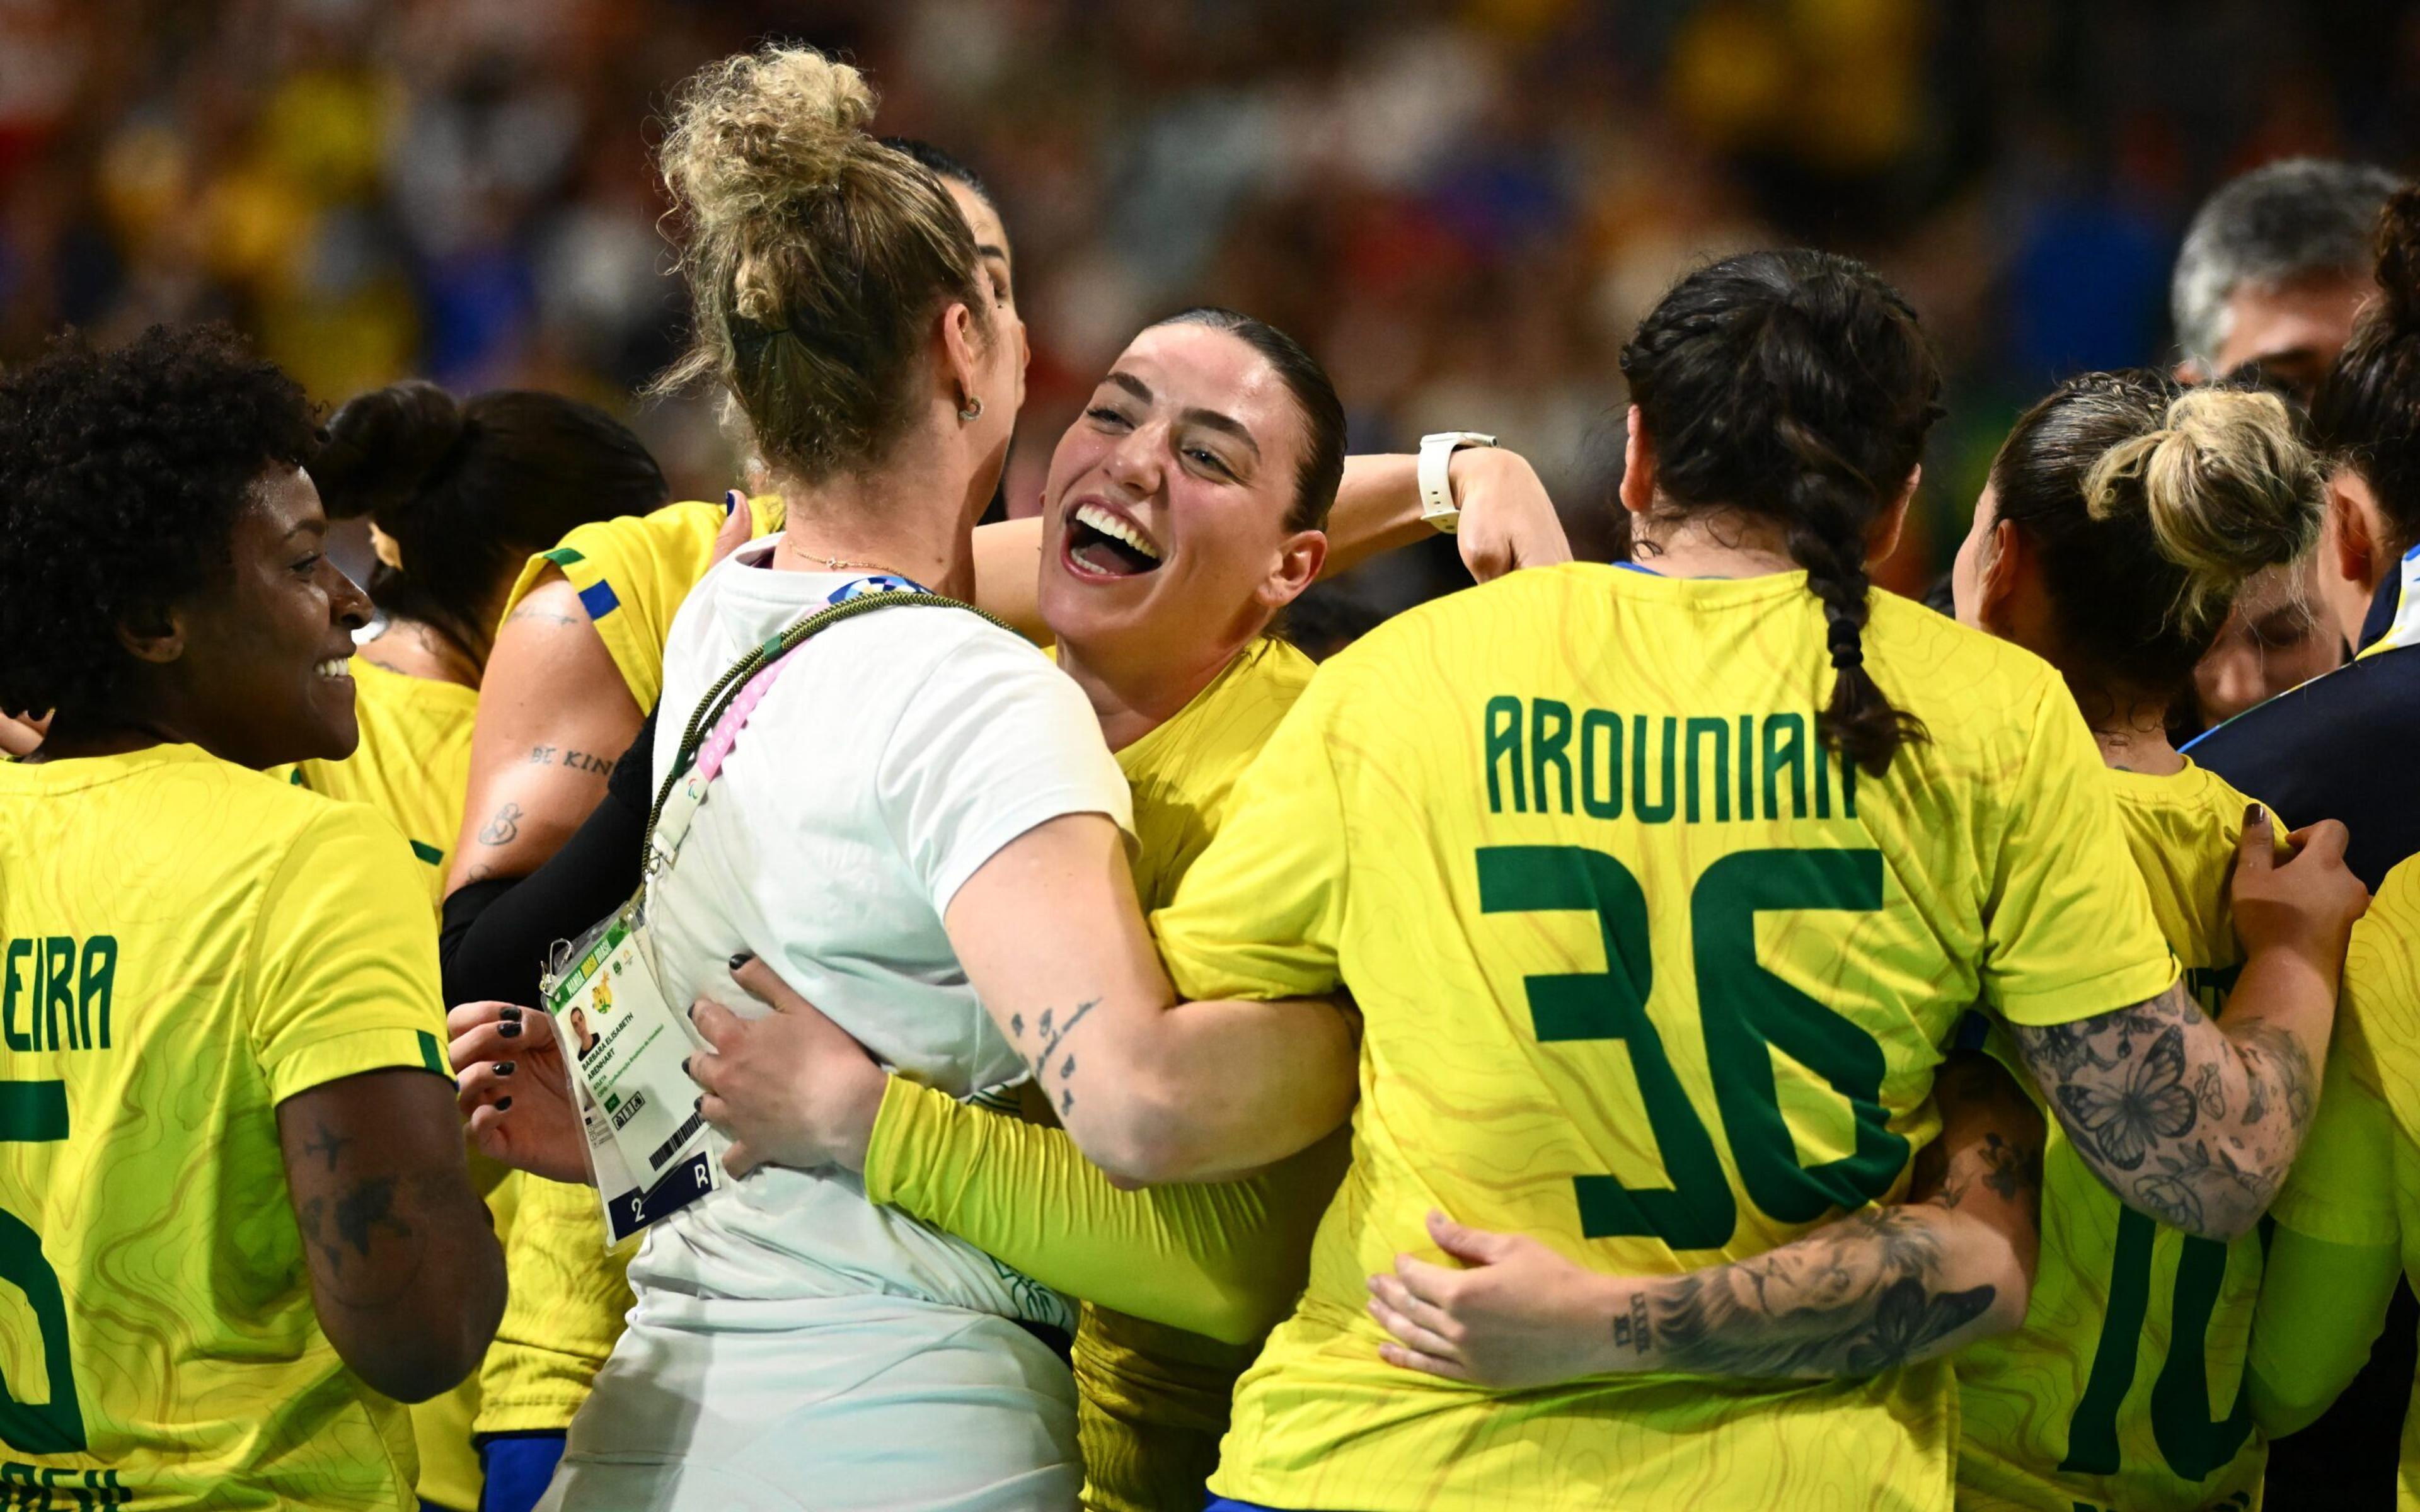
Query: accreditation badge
point(625, 1048)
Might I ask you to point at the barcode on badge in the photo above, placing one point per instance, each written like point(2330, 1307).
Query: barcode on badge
point(664, 1151)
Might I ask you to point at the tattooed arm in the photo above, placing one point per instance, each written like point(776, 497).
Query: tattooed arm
point(553, 715)
point(1151, 1090)
point(1875, 1288)
point(2196, 1120)
point(407, 1277)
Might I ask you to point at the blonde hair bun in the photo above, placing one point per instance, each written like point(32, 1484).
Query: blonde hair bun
point(2227, 485)
point(815, 257)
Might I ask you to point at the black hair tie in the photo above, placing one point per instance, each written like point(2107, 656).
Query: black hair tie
point(1848, 649)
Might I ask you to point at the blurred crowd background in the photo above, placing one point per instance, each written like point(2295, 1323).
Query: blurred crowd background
point(1460, 204)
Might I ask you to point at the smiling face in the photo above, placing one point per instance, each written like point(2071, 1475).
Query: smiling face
point(253, 668)
point(1164, 516)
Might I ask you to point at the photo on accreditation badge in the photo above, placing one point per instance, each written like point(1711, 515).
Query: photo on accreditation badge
point(1252, 755)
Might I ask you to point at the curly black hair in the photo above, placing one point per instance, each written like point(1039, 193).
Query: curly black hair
point(121, 476)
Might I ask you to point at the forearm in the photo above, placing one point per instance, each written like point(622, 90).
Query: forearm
point(1881, 1287)
point(2322, 1306)
point(1205, 1091)
point(1222, 1260)
point(1377, 510)
point(2193, 1122)
point(497, 931)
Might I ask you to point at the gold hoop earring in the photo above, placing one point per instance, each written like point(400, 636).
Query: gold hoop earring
point(973, 409)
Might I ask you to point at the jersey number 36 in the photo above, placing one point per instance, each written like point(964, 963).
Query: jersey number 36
point(1747, 1011)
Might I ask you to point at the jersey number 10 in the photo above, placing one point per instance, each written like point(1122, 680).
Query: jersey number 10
point(1746, 1013)
point(36, 1112)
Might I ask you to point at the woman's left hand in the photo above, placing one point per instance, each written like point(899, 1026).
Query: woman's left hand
point(790, 1089)
point(1507, 519)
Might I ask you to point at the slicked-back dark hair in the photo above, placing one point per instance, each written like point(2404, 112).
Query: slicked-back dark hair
point(1314, 395)
point(1797, 386)
point(121, 477)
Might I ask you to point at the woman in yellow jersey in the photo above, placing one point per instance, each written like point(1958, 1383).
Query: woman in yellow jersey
point(1735, 805)
point(579, 659)
point(457, 494)
point(232, 1198)
point(2121, 517)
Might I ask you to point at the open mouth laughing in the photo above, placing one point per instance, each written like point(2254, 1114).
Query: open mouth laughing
point(1107, 542)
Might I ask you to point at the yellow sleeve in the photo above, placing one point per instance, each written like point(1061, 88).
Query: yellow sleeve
point(1262, 913)
point(2342, 1186)
point(564, 1310)
point(2069, 933)
point(632, 573)
point(2339, 1189)
point(343, 964)
point(1223, 1259)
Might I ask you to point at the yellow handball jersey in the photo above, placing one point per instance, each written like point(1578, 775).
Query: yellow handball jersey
point(414, 763)
point(1153, 1400)
point(2371, 1108)
point(413, 766)
point(183, 945)
point(1647, 976)
point(2125, 1387)
point(631, 573)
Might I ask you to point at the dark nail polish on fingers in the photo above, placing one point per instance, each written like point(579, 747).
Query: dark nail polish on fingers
point(742, 959)
point(504, 1068)
point(510, 1016)
point(508, 1031)
point(503, 1104)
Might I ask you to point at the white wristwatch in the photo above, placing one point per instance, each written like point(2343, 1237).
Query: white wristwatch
point(1436, 492)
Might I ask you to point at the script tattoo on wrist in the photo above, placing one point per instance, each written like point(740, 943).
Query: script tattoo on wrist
point(1630, 1329)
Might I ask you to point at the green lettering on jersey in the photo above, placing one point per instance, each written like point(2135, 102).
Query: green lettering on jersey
point(2092, 1433)
point(1721, 731)
point(1596, 724)
point(1654, 813)
point(17, 1039)
point(1785, 745)
point(97, 980)
point(1750, 1012)
point(58, 988)
point(1504, 742)
point(1748, 768)
point(1547, 748)
point(1696, 1210)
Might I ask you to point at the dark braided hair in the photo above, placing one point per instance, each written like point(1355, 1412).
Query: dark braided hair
point(1795, 385)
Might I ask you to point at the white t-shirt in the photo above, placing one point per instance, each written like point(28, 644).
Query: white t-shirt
point(898, 751)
